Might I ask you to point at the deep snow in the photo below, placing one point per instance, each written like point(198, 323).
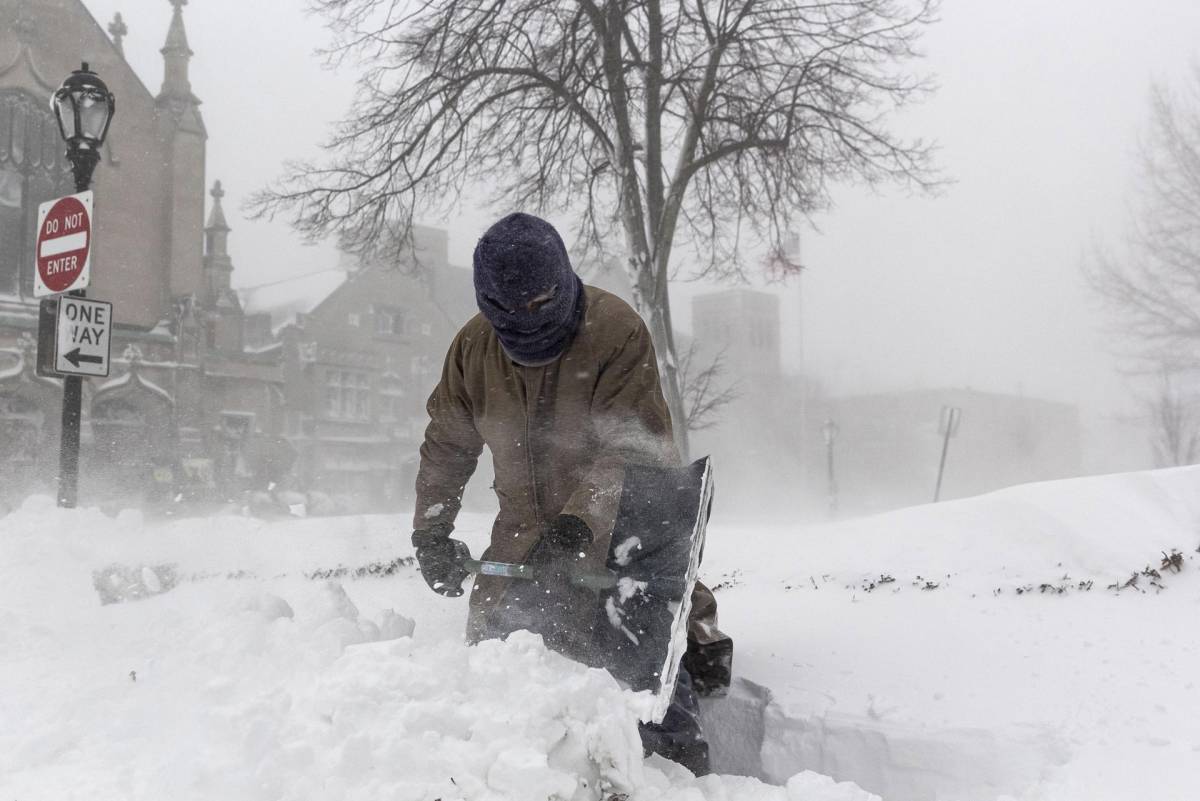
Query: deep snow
point(273, 685)
point(986, 685)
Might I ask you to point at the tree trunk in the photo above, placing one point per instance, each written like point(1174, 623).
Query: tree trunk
point(653, 302)
point(668, 368)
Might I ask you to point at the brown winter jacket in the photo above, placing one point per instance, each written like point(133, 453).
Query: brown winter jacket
point(560, 435)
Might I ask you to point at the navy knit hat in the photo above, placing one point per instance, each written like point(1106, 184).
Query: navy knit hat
point(525, 287)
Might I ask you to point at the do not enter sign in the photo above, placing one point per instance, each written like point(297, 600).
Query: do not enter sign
point(64, 245)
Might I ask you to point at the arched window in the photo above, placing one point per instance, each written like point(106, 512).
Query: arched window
point(133, 437)
point(32, 171)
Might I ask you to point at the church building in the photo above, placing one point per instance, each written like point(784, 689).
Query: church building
point(188, 410)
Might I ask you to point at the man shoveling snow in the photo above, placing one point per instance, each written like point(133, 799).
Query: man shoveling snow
point(560, 381)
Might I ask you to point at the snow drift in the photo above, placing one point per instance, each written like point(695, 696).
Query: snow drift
point(281, 688)
point(977, 650)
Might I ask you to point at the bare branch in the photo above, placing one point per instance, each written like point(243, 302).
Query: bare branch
point(709, 125)
point(1154, 285)
point(705, 395)
point(1175, 421)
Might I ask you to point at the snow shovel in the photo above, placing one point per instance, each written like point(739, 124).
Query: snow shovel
point(645, 593)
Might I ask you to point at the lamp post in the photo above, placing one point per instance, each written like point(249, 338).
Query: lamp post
point(84, 109)
point(830, 431)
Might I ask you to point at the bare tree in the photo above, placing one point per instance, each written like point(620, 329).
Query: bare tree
point(1175, 417)
point(705, 393)
point(710, 123)
point(1154, 286)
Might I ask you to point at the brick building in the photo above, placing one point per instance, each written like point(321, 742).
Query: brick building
point(361, 347)
point(187, 409)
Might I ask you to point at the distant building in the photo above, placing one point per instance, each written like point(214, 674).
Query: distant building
point(361, 349)
point(742, 327)
point(769, 445)
point(754, 440)
point(188, 410)
point(887, 446)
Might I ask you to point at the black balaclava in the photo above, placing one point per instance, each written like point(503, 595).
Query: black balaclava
point(526, 289)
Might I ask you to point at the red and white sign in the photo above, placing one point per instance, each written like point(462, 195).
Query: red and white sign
point(64, 245)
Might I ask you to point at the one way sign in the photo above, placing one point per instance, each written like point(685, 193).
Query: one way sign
point(82, 341)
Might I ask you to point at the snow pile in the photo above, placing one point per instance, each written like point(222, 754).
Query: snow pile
point(986, 648)
point(970, 650)
point(282, 688)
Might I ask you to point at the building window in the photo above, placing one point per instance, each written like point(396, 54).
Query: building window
point(12, 222)
point(353, 319)
point(32, 171)
point(391, 400)
point(347, 395)
point(389, 321)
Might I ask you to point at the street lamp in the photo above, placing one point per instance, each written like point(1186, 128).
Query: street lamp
point(84, 109)
point(830, 432)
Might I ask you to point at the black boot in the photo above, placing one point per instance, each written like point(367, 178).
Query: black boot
point(710, 665)
point(680, 737)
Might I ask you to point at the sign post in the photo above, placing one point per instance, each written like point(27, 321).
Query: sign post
point(947, 427)
point(84, 109)
point(74, 334)
point(63, 260)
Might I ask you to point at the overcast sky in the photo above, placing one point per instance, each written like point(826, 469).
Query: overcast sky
point(1038, 112)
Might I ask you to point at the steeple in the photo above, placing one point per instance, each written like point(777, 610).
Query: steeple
point(225, 326)
point(176, 55)
point(118, 30)
point(217, 264)
point(182, 129)
point(216, 233)
point(176, 95)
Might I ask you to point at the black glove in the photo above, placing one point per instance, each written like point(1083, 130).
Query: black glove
point(564, 542)
point(441, 558)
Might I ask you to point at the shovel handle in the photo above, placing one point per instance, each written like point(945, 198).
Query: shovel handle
point(505, 569)
point(592, 581)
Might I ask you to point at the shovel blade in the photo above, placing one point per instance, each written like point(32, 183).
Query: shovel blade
point(656, 546)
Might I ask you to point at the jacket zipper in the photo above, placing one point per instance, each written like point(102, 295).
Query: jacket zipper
point(537, 512)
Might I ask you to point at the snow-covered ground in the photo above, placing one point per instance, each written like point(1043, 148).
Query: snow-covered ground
point(962, 677)
point(989, 684)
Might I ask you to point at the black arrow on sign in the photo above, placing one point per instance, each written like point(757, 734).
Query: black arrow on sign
point(74, 357)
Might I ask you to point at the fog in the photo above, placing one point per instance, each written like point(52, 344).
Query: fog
point(1037, 114)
